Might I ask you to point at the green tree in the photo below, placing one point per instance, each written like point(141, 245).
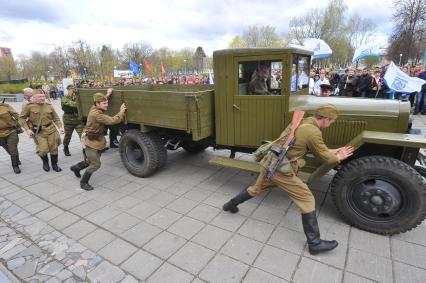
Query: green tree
point(7, 68)
point(237, 42)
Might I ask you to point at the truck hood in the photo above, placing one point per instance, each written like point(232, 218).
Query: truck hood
point(349, 106)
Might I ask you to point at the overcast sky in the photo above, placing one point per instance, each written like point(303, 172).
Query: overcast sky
point(31, 25)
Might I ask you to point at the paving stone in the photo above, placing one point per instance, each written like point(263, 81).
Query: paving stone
point(313, 271)
point(256, 275)
point(169, 273)
point(126, 202)
point(353, 278)
point(12, 252)
point(141, 264)
point(144, 210)
point(182, 205)
point(164, 218)
point(218, 199)
point(257, 230)
point(49, 213)
point(336, 257)
point(224, 269)
point(165, 244)
point(102, 215)
point(409, 253)
point(121, 223)
point(79, 229)
point(117, 251)
point(140, 234)
point(192, 257)
point(186, 227)
point(197, 195)
point(14, 263)
point(228, 221)
point(106, 272)
point(51, 268)
point(87, 207)
point(97, 239)
point(204, 237)
point(369, 242)
point(268, 215)
point(129, 279)
point(242, 249)
point(415, 236)
point(277, 262)
point(369, 265)
point(64, 274)
point(63, 220)
point(204, 212)
point(162, 199)
point(145, 193)
point(289, 240)
point(26, 270)
point(406, 273)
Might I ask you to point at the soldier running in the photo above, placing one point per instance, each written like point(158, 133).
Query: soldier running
point(39, 119)
point(70, 118)
point(9, 139)
point(308, 137)
point(93, 137)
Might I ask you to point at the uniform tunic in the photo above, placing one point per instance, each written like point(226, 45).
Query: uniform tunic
point(47, 138)
point(70, 118)
point(257, 85)
point(308, 139)
point(8, 135)
point(94, 139)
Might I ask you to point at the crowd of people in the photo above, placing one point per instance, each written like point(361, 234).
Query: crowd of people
point(367, 83)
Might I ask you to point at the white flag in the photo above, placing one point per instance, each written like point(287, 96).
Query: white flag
point(399, 81)
point(364, 51)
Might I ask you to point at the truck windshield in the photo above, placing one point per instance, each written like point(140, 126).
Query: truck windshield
point(259, 77)
point(299, 73)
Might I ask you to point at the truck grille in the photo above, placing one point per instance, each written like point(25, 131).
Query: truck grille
point(343, 131)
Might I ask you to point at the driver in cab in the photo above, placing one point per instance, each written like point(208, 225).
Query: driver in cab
point(258, 81)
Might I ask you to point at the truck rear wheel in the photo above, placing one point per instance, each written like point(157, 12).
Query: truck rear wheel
point(380, 194)
point(142, 154)
point(194, 147)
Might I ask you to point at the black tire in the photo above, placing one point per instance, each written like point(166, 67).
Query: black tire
point(162, 152)
point(141, 153)
point(380, 194)
point(194, 147)
point(421, 170)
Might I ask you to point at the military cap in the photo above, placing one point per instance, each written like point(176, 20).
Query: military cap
point(70, 87)
point(326, 86)
point(327, 111)
point(99, 97)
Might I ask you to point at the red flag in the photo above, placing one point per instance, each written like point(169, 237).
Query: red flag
point(147, 66)
point(163, 71)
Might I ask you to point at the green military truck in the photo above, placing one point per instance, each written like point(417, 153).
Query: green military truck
point(381, 188)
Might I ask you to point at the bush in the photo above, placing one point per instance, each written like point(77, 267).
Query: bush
point(13, 88)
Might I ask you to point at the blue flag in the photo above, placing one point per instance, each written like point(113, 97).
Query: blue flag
point(134, 67)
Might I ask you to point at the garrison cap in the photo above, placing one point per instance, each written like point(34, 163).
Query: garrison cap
point(327, 111)
point(99, 97)
point(70, 87)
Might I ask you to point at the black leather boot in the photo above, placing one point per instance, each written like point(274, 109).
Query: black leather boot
point(78, 167)
point(55, 167)
point(15, 164)
point(46, 166)
point(67, 151)
point(311, 229)
point(231, 205)
point(84, 182)
point(19, 161)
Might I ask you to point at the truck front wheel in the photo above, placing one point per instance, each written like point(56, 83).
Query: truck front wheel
point(380, 194)
point(142, 153)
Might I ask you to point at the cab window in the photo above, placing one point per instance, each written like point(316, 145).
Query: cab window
point(299, 73)
point(259, 77)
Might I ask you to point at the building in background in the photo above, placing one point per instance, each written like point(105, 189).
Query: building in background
point(5, 51)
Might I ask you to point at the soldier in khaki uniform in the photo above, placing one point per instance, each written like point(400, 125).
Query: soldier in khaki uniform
point(308, 138)
point(70, 118)
point(8, 134)
point(39, 118)
point(93, 137)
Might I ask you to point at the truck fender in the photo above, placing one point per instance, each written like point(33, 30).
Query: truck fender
point(393, 139)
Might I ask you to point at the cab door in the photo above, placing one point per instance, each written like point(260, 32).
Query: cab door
point(259, 111)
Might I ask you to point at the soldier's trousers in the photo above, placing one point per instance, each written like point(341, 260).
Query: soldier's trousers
point(47, 142)
point(298, 191)
point(92, 157)
point(69, 129)
point(10, 143)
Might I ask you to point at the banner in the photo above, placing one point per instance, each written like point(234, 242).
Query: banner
point(399, 81)
point(125, 74)
point(364, 51)
point(134, 68)
point(163, 71)
point(147, 66)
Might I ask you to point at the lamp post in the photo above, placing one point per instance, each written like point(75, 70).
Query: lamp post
point(400, 57)
point(85, 73)
point(140, 70)
point(184, 62)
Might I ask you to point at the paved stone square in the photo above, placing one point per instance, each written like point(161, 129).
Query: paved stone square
point(170, 227)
